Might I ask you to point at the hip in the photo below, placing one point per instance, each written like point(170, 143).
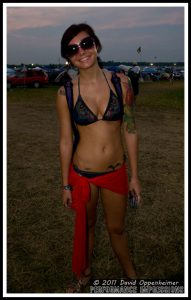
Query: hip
point(98, 164)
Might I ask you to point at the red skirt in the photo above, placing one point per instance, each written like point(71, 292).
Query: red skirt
point(116, 181)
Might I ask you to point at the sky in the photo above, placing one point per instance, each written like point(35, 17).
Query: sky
point(33, 34)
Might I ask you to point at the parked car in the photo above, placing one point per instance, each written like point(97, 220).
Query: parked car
point(34, 78)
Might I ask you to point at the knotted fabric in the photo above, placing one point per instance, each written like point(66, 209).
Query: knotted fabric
point(116, 181)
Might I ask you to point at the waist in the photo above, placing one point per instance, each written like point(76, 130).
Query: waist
point(92, 174)
point(89, 174)
point(97, 157)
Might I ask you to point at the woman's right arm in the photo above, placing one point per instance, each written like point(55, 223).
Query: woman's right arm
point(66, 142)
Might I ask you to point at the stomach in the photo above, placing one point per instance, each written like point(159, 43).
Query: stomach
point(100, 147)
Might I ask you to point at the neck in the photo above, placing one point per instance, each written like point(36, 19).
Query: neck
point(90, 74)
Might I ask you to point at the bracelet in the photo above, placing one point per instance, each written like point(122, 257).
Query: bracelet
point(67, 187)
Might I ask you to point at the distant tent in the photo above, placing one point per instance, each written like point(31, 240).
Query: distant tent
point(37, 68)
point(125, 68)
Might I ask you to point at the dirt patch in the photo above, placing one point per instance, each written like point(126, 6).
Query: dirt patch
point(40, 231)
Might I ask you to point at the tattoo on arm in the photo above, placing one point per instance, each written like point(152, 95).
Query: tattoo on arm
point(61, 91)
point(128, 119)
point(128, 116)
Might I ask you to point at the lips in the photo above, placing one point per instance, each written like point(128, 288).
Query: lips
point(84, 59)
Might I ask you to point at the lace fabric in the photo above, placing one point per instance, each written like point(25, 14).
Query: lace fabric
point(83, 115)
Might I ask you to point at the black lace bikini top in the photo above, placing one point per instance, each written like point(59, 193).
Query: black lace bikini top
point(82, 114)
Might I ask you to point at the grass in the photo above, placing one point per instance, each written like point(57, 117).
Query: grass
point(40, 230)
point(162, 95)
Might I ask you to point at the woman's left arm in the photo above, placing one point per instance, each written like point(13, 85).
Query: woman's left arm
point(131, 135)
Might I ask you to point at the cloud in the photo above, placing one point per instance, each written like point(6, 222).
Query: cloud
point(120, 29)
point(20, 18)
point(109, 17)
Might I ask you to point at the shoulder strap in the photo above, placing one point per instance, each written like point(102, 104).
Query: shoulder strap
point(69, 96)
point(69, 93)
point(117, 84)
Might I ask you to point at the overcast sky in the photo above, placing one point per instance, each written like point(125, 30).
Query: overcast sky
point(34, 33)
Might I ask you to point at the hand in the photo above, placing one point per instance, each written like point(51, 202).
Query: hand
point(135, 188)
point(67, 198)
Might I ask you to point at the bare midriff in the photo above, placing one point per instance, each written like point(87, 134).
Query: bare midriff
point(100, 147)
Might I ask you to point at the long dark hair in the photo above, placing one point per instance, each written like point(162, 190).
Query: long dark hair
point(72, 31)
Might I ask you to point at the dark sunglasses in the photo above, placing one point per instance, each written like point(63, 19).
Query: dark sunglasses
point(85, 44)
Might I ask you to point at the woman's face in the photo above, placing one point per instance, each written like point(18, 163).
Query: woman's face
point(84, 58)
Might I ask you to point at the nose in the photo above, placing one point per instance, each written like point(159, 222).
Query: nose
point(81, 50)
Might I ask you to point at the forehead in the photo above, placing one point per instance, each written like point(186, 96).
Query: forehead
point(77, 39)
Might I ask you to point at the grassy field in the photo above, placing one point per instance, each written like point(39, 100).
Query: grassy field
point(40, 230)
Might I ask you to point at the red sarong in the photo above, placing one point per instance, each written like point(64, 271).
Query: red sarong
point(116, 181)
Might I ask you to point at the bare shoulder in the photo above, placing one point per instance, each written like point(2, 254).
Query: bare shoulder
point(61, 91)
point(123, 78)
point(61, 102)
point(107, 73)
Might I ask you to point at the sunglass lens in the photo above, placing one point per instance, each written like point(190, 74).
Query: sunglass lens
point(87, 43)
point(72, 50)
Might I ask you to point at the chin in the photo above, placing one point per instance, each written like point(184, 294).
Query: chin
point(87, 62)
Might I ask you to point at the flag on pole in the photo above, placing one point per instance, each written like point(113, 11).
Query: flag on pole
point(139, 50)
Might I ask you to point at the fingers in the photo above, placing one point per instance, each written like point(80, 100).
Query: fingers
point(139, 198)
point(135, 199)
point(68, 203)
point(67, 198)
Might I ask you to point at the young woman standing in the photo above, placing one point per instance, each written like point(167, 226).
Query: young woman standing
point(97, 168)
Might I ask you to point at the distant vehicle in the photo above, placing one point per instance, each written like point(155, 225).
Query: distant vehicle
point(178, 75)
point(116, 69)
point(33, 78)
point(149, 73)
point(10, 72)
point(150, 70)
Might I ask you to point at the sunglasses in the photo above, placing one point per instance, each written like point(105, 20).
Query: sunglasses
point(85, 44)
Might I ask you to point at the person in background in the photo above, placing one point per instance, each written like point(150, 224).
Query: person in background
point(97, 169)
point(134, 75)
point(171, 77)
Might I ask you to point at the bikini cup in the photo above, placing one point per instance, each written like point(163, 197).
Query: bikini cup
point(83, 115)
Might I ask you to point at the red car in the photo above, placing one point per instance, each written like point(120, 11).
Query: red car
point(34, 78)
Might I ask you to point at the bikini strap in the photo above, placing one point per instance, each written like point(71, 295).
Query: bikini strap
point(79, 85)
point(117, 84)
point(106, 79)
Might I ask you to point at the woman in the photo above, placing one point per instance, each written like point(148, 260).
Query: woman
point(97, 167)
